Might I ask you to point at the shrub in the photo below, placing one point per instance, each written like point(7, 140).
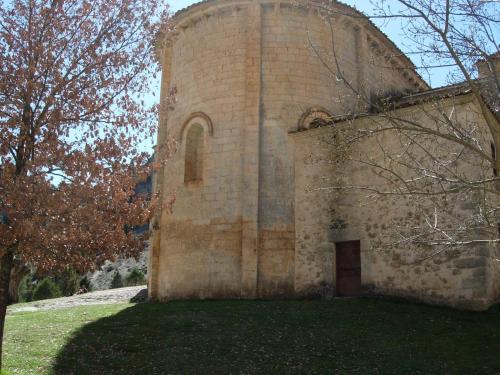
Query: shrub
point(26, 288)
point(117, 281)
point(85, 283)
point(68, 282)
point(46, 289)
point(136, 277)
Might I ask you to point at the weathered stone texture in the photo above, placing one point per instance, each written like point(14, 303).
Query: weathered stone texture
point(467, 278)
point(493, 273)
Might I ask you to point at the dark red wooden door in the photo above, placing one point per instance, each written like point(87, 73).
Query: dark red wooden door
point(348, 262)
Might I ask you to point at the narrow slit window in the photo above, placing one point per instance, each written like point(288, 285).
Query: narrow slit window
point(193, 167)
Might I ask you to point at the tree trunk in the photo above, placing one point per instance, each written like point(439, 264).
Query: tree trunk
point(5, 268)
point(17, 274)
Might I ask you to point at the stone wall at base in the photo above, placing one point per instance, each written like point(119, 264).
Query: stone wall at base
point(492, 273)
point(203, 261)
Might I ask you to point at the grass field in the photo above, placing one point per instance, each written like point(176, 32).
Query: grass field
point(345, 336)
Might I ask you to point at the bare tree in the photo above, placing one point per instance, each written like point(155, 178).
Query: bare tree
point(436, 150)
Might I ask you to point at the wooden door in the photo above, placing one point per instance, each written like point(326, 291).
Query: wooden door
point(348, 265)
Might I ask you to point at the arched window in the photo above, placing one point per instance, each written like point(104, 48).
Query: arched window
point(314, 118)
point(193, 132)
point(193, 165)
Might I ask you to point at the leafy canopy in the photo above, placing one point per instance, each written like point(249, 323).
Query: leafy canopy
point(72, 77)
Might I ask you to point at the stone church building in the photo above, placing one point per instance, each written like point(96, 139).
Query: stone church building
point(251, 218)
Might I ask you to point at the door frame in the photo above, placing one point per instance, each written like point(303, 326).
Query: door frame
point(337, 264)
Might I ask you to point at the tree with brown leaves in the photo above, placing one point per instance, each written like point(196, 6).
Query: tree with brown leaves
point(73, 75)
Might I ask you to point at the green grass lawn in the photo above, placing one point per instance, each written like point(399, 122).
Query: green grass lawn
point(345, 336)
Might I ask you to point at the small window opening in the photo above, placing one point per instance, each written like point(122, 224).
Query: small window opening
point(317, 122)
point(193, 167)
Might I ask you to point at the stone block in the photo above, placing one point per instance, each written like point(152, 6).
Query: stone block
point(474, 283)
point(470, 262)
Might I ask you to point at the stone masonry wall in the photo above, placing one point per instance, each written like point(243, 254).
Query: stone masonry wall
point(493, 274)
point(323, 216)
point(246, 71)
point(200, 248)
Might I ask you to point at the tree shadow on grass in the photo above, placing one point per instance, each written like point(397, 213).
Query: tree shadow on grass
point(266, 337)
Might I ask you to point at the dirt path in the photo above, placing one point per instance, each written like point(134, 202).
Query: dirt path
point(93, 298)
